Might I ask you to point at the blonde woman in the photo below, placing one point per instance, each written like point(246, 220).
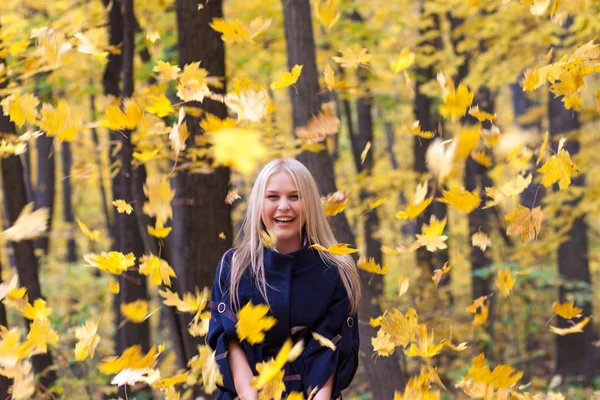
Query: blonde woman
point(307, 291)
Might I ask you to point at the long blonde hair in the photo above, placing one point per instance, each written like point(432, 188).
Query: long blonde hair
point(250, 252)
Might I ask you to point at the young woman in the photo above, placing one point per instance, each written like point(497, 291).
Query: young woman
point(306, 290)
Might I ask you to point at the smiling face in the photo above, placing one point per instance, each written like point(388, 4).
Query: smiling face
point(283, 213)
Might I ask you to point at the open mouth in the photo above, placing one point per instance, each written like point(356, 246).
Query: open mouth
point(283, 221)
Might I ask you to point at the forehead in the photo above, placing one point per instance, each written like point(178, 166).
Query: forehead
point(281, 182)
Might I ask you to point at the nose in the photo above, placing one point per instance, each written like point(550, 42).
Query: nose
point(284, 204)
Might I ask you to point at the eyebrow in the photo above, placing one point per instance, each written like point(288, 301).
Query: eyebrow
point(275, 191)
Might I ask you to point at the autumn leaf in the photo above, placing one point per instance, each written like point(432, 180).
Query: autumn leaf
point(136, 311)
point(415, 129)
point(92, 234)
point(372, 267)
point(353, 57)
point(431, 235)
point(59, 122)
point(439, 273)
point(159, 231)
point(232, 31)
point(88, 339)
point(576, 328)
point(128, 118)
point(122, 206)
point(567, 310)
point(400, 249)
point(165, 71)
point(403, 284)
point(329, 77)
point(239, 148)
point(159, 271)
point(402, 61)
point(232, 196)
point(326, 12)
point(456, 101)
point(132, 358)
point(505, 281)
point(334, 203)
point(21, 108)
point(37, 311)
point(251, 104)
point(481, 239)
point(268, 239)
point(206, 363)
point(28, 225)
point(525, 222)
point(114, 262)
point(323, 341)
point(253, 322)
point(166, 383)
point(319, 127)
point(558, 168)
point(481, 115)
point(337, 249)
point(192, 84)
point(159, 194)
point(159, 105)
point(287, 79)
point(413, 211)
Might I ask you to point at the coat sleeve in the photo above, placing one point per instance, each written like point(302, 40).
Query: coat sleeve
point(222, 322)
point(321, 362)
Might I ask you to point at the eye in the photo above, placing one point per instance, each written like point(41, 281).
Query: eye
point(294, 196)
point(271, 196)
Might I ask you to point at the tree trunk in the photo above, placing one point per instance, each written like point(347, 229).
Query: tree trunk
point(200, 212)
point(306, 103)
point(576, 357)
point(44, 195)
point(15, 198)
point(67, 199)
point(4, 381)
point(98, 159)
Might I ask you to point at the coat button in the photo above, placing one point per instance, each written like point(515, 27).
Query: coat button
point(221, 307)
point(350, 322)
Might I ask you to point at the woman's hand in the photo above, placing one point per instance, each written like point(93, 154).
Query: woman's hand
point(249, 394)
point(326, 391)
point(241, 371)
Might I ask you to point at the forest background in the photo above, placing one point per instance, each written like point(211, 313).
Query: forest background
point(454, 142)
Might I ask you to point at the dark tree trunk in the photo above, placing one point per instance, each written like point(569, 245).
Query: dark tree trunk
point(44, 195)
point(306, 104)
point(4, 381)
point(99, 156)
point(15, 198)
point(67, 198)
point(426, 115)
point(200, 212)
point(576, 357)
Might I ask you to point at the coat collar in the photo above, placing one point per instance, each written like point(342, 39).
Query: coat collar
point(303, 256)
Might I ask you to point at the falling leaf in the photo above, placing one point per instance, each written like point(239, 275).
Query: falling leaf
point(400, 249)
point(207, 364)
point(353, 57)
point(159, 231)
point(250, 104)
point(166, 383)
point(337, 249)
point(461, 199)
point(287, 79)
point(326, 12)
point(157, 190)
point(323, 341)
point(128, 118)
point(21, 108)
point(577, 328)
point(415, 129)
point(132, 358)
point(372, 267)
point(481, 239)
point(402, 61)
point(232, 196)
point(37, 310)
point(329, 77)
point(364, 153)
point(268, 239)
point(403, 284)
point(88, 339)
point(239, 148)
point(505, 281)
point(152, 36)
point(232, 31)
point(525, 222)
point(28, 224)
point(41, 335)
point(456, 101)
point(59, 122)
point(558, 168)
point(335, 203)
point(438, 274)
point(319, 127)
point(567, 310)
point(431, 235)
point(543, 147)
point(114, 262)
point(253, 322)
point(159, 105)
point(114, 287)
point(135, 311)
point(123, 207)
point(92, 234)
point(159, 271)
point(166, 71)
point(414, 210)
point(481, 115)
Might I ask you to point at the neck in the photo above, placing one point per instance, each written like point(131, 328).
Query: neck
point(289, 245)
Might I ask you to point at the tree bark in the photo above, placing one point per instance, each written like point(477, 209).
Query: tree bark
point(576, 357)
point(44, 194)
point(306, 104)
point(5, 382)
point(67, 198)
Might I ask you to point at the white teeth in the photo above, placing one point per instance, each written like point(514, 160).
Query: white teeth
point(284, 219)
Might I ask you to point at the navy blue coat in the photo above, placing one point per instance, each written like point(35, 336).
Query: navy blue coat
point(306, 295)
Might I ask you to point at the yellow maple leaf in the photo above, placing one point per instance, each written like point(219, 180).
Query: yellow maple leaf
point(159, 194)
point(329, 77)
point(424, 346)
point(88, 339)
point(192, 84)
point(114, 287)
point(253, 322)
point(159, 231)
point(114, 262)
point(232, 196)
point(271, 369)
point(402, 61)
point(128, 118)
point(123, 207)
point(372, 267)
point(400, 249)
point(353, 57)
point(132, 358)
point(567, 310)
point(481, 115)
point(525, 222)
point(28, 225)
point(159, 105)
point(37, 311)
point(272, 390)
point(439, 273)
point(337, 249)
point(250, 104)
point(431, 235)
point(159, 271)
point(403, 284)
point(21, 108)
point(576, 328)
point(41, 335)
point(415, 129)
point(239, 148)
point(413, 211)
point(326, 12)
point(461, 199)
point(543, 147)
point(92, 234)
point(319, 127)
point(135, 311)
point(205, 363)
point(166, 383)
point(325, 342)
point(481, 309)
point(232, 31)
point(505, 281)
point(481, 158)
point(288, 79)
point(456, 101)
point(467, 141)
point(531, 81)
point(558, 168)
point(212, 123)
point(59, 121)
point(334, 203)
